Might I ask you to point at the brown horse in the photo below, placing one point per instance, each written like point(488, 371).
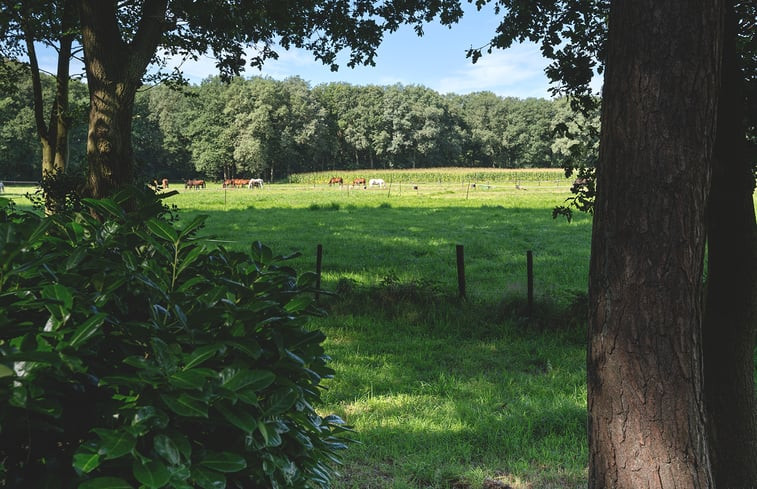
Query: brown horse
point(359, 181)
point(195, 184)
point(336, 180)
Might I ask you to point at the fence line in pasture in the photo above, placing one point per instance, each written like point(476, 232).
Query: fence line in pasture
point(461, 282)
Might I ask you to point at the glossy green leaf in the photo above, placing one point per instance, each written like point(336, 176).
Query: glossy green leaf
point(208, 479)
point(224, 462)
point(86, 461)
point(186, 405)
point(235, 379)
point(59, 300)
point(239, 415)
point(87, 329)
point(200, 355)
point(166, 448)
point(162, 229)
point(281, 401)
point(114, 443)
point(105, 483)
point(152, 474)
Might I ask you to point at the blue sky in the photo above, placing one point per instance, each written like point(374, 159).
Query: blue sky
point(436, 60)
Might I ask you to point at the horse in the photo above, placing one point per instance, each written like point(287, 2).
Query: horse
point(255, 182)
point(195, 184)
point(336, 180)
point(376, 182)
point(359, 181)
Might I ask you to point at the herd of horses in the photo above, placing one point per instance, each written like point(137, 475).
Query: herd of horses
point(359, 182)
point(258, 183)
point(228, 183)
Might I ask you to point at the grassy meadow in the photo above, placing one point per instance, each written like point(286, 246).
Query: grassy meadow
point(441, 392)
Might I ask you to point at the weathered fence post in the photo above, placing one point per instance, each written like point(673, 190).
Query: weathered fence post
point(530, 273)
point(318, 262)
point(460, 271)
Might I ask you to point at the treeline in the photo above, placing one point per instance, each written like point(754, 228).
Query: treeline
point(261, 127)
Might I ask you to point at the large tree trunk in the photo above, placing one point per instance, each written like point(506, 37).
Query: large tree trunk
point(646, 403)
point(730, 320)
point(114, 72)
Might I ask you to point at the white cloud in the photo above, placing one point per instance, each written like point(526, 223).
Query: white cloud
point(518, 71)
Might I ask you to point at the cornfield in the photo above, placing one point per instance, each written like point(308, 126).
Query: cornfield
point(438, 176)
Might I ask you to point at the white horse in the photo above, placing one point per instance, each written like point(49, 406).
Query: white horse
point(376, 182)
point(255, 182)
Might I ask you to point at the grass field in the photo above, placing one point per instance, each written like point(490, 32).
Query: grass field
point(441, 392)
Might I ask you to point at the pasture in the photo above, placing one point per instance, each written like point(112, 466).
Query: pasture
point(442, 393)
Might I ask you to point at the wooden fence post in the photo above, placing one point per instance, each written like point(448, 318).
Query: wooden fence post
point(530, 273)
point(318, 262)
point(460, 271)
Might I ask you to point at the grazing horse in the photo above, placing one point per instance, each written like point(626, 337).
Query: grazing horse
point(580, 184)
point(256, 182)
point(195, 184)
point(358, 181)
point(376, 182)
point(336, 180)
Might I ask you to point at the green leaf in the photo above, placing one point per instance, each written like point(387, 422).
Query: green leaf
point(106, 483)
point(166, 448)
point(5, 371)
point(224, 462)
point(153, 474)
point(186, 405)
point(281, 401)
point(208, 479)
point(191, 379)
point(115, 444)
point(60, 300)
point(298, 303)
point(163, 230)
point(105, 206)
point(196, 223)
point(238, 415)
point(87, 329)
point(86, 461)
point(200, 355)
point(235, 379)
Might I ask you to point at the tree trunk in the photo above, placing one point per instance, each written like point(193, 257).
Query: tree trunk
point(644, 365)
point(114, 72)
point(730, 319)
point(53, 135)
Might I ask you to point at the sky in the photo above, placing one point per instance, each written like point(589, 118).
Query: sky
point(436, 60)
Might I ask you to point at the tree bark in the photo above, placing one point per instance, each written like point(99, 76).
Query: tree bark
point(647, 425)
point(114, 73)
point(730, 319)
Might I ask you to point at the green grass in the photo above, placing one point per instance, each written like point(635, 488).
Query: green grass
point(442, 393)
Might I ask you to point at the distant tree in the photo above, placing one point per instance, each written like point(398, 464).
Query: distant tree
point(121, 39)
point(22, 28)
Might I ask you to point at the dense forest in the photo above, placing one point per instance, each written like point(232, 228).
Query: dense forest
point(261, 127)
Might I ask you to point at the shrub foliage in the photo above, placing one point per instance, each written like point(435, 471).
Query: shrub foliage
point(133, 355)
